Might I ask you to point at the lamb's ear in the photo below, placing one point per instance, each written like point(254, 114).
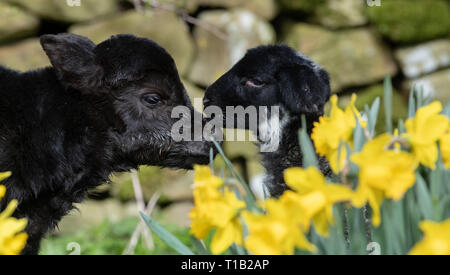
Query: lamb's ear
point(304, 89)
point(73, 58)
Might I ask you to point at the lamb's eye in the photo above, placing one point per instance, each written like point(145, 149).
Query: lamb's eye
point(151, 99)
point(255, 83)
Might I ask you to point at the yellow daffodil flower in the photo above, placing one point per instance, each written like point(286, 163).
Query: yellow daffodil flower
point(445, 148)
point(436, 240)
point(315, 198)
point(332, 131)
point(4, 175)
point(2, 191)
point(204, 178)
point(383, 173)
point(276, 232)
point(424, 130)
point(215, 209)
point(12, 239)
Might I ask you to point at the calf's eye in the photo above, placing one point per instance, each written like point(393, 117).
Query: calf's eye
point(151, 99)
point(255, 83)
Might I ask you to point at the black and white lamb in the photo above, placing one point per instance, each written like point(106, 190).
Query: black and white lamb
point(274, 76)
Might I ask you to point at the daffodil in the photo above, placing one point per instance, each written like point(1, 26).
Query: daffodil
point(445, 148)
point(315, 198)
point(423, 132)
point(204, 178)
point(274, 232)
point(334, 130)
point(383, 173)
point(4, 175)
point(2, 191)
point(436, 239)
point(215, 209)
point(12, 239)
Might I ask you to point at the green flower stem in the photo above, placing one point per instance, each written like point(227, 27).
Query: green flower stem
point(367, 223)
point(347, 231)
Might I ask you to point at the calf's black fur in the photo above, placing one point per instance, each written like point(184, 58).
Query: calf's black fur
point(275, 76)
point(99, 109)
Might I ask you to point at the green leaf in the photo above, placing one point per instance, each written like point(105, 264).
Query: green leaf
point(370, 121)
point(423, 198)
point(358, 137)
point(237, 250)
point(398, 214)
point(412, 218)
point(388, 228)
point(411, 103)
point(309, 155)
point(211, 159)
point(436, 181)
point(388, 103)
point(444, 204)
point(401, 127)
point(374, 110)
point(200, 247)
point(166, 236)
point(419, 94)
point(446, 110)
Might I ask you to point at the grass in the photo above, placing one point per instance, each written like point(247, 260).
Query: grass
point(111, 239)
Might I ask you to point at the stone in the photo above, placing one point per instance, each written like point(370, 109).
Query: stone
point(408, 21)
point(189, 5)
point(215, 55)
point(195, 94)
point(265, 8)
point(352, 57)
point(24, 55)
point(424, 58)
point(341, 13)
point(163, 27)
point(16, 23)
point(307, 6)
point(62, 10)
point(435, 86)
point(177, 214)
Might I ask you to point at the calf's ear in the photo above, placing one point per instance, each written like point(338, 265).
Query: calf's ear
point(73, 58)
point(304, 89)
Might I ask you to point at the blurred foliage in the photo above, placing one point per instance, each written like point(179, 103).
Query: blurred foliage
point(150, 177)
point(367, 96)
point(110, 239)
point(407, 21)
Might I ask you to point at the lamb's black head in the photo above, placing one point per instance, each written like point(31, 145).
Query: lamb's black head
point(138, 81)
point(273, 76)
